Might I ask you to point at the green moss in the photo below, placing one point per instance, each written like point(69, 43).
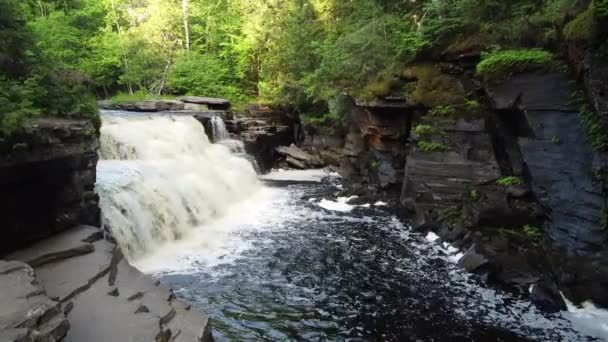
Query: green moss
point(378, 89)
point(427, 146)
point(556, 140)
point(583, 26)
point(434, 88)
point(509, 181)
point(532, 232)
point(502, 63)
point(424, 130)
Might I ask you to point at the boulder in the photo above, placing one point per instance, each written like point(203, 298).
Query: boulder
point(299, 158)
point(472, 260)
point(546, 296)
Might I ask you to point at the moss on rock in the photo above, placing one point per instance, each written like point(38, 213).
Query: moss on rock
point(434, 88)
point(502, 63)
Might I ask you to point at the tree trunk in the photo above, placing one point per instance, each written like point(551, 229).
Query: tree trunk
point(124, 55)
point(42, 12)
point(186, 29)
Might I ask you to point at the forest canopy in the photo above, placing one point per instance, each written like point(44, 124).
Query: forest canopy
point(297, 52)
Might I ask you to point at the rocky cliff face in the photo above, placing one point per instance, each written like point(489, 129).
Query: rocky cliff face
point(47, 177)
point(374, 153)
point(508, 174)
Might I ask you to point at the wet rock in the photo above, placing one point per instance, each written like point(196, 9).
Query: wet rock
point(436, 180)
point(517, 191)
point(561, 180)
point(27, 313)
point(263, 129)
point(546, 296)
point(472, 260)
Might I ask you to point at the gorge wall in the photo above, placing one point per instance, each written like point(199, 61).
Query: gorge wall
point(504, 170)
point(47, 177)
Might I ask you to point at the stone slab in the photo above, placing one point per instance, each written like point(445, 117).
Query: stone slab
point(27, 313)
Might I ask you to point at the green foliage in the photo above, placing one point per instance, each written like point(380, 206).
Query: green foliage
point(204, 75)
point(326, 119)
point(424, 130)
point(502, 63)
point(427, 147)
point(601, 7)
point(442, 111)
point(592, 123)
point(30, 84)
point(533, 232)
point(509, 181)
point(583, 26)
point(139, 96)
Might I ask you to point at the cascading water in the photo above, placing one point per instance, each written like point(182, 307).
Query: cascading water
point(159, 178)
point(222, 137)
point(219, 130)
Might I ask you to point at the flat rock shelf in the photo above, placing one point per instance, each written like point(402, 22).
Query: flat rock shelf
point(85, 290)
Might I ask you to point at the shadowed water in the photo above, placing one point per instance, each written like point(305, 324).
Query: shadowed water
point(311, 274)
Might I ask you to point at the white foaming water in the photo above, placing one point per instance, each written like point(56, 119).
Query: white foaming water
point(218, 128)
point(160, 179)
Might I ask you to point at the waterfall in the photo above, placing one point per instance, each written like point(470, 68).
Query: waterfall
point(218, 128)
point(159, 178)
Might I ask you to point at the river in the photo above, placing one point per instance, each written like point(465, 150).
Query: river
point(288, 261)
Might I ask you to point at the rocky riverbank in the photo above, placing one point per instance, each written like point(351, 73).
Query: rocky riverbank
point(63, 281)
point(503, 169)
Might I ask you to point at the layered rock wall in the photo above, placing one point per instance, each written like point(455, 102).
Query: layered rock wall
point(47, 177)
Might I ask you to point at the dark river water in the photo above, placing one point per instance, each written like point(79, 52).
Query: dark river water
point(287, 269)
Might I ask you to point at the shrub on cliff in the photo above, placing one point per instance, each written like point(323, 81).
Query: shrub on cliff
point(502, 63)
